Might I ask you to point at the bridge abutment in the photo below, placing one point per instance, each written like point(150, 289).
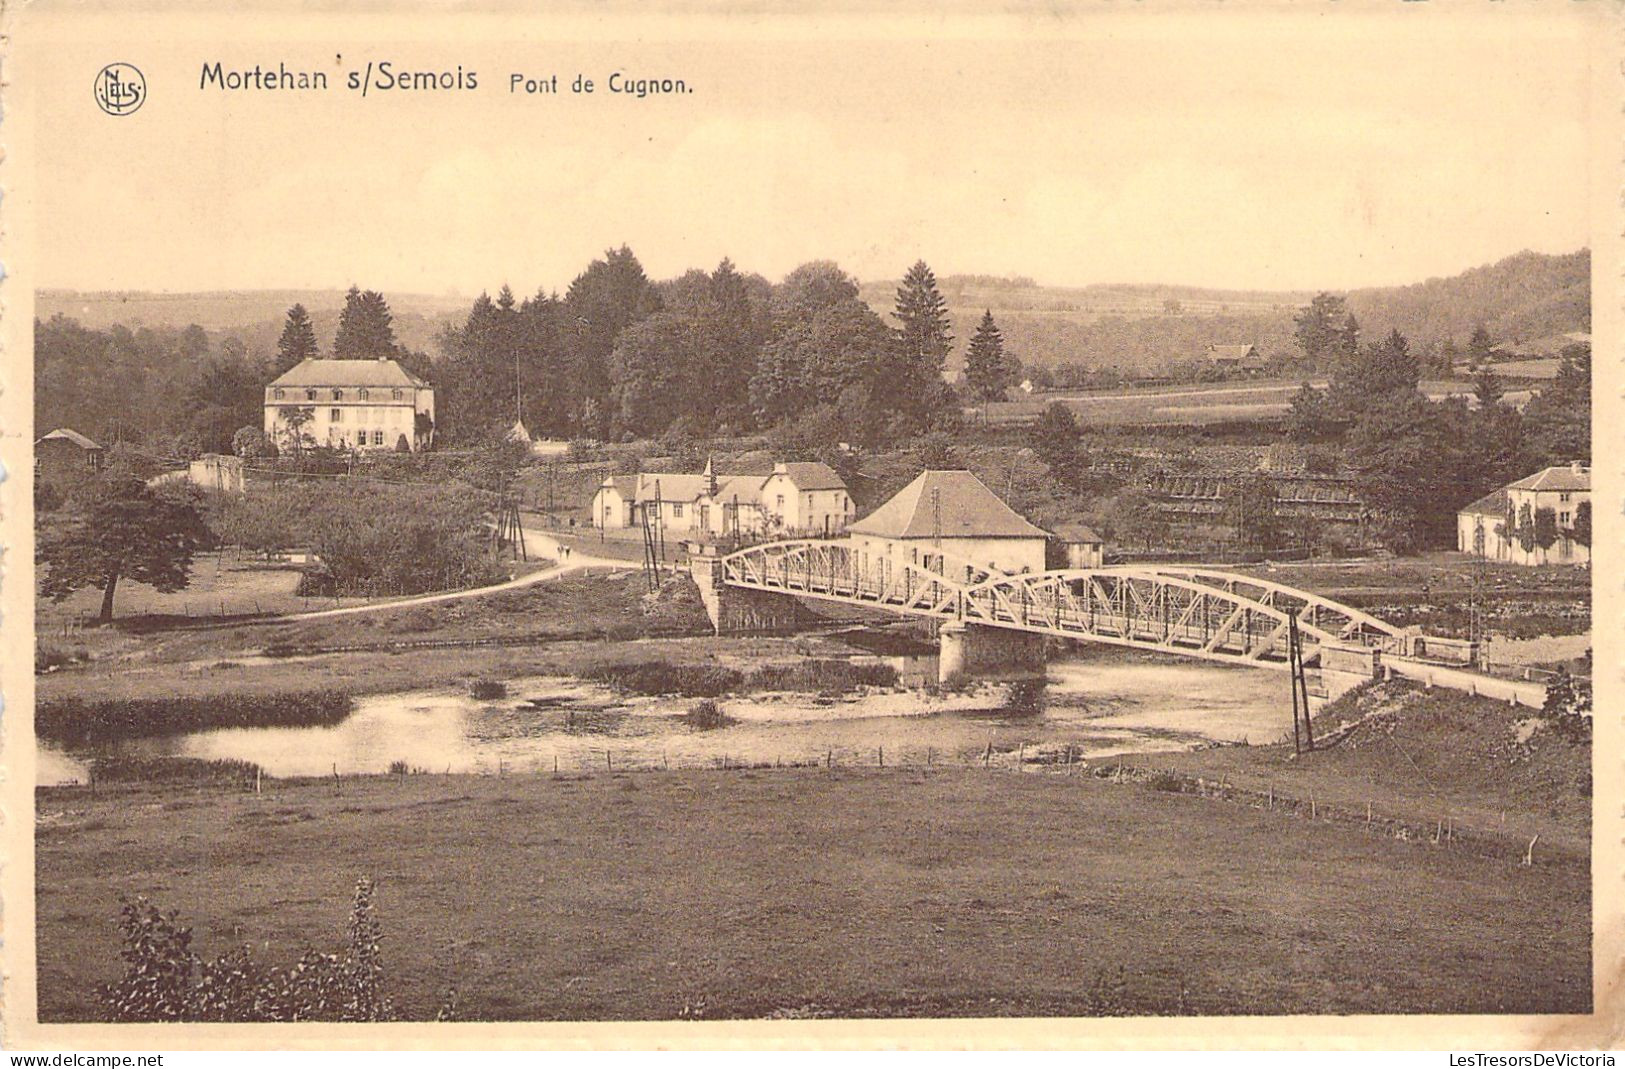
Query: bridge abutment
point(733, 609)
point(1342, 668)
point(967, 650)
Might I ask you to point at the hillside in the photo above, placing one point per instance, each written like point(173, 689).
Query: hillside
point(1136, 328)
point(1522, 298)
point(1519, 299)
point(253, 316)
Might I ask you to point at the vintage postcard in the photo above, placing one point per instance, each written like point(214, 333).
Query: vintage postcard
point(1070, 525)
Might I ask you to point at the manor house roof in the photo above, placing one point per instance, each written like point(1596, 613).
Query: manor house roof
point(385, 373)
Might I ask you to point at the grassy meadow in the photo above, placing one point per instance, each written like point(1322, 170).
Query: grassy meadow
point(816, 893)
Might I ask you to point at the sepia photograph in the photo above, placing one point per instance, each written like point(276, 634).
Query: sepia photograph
point(547, 518)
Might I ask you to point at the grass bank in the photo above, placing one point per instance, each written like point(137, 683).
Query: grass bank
point(817, 893)
point(1422, 756)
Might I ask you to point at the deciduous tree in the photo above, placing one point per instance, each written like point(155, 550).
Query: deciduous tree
point(120, 528)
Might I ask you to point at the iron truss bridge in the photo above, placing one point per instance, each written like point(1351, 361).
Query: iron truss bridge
point(1213, 615)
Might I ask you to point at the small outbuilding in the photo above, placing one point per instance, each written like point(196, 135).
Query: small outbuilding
point(66, 454)
point(1076, 545)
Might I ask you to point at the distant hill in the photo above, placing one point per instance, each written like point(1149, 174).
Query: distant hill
point(1519, 299)
point(1141, 328)
point(1136, 328)
point(253, 316)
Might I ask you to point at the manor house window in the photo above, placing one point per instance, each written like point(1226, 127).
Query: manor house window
point(338, 395)
point(362, 393)
point(394, 395)
point(336, 415)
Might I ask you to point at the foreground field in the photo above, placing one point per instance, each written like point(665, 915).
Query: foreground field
point(809, 892)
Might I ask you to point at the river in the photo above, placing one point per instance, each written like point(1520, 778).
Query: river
point(1084, 709)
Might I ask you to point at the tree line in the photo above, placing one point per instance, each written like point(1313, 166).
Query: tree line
point(620, 357)
point(181, 393)
point(1417, 462)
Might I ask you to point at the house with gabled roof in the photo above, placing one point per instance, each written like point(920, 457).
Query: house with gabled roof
point(65, 454)
point(949, 522)
point(1509, 524)
point(349, 404)
point(1234, 356)
point(793, 499)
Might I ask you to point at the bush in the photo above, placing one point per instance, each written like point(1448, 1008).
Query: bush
point(47, 657)
point(164, 980)
point(705, 715)
point(487, 690)
point(822, 676)
point(662, 677)
point(121, 768)
point(1568, 706)
point(1164, 780)
point(74, 722)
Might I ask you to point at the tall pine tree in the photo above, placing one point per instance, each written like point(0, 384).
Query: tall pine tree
point(298, 341)
point(365, 331)
point(922, 314)
point(987, 370)
point(911, 391)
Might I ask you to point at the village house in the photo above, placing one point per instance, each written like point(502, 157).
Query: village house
point(350, 404)
point(948, 522)
point(1237, 357)
point(1490, 526)
point(793, 499)
point(66, 454)
point(1076, 545)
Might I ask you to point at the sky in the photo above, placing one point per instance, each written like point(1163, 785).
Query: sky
point(1314, 147)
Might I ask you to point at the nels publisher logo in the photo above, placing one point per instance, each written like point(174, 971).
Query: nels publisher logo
point(120, 89)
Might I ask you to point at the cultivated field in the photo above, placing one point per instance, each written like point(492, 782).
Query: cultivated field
point(1195, 404)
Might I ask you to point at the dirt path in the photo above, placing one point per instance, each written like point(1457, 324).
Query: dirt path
point(536, 545)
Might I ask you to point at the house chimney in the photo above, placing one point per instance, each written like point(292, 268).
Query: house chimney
point(781, 468)
point(710, 479)
point(1577, 468)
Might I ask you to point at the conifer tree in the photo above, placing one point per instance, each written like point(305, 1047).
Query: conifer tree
point(987, 370)
point(298, 341)
point(922, 314)
point(365, 331)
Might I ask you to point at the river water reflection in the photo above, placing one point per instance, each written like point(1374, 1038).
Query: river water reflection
point(1089, 708)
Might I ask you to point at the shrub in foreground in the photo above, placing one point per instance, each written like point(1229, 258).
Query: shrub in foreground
point(165, 980)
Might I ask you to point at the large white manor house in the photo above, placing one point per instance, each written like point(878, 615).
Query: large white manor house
point(349, 404)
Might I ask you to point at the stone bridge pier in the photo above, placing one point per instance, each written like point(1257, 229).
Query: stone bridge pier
point(968, 650)
point(733, 609)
